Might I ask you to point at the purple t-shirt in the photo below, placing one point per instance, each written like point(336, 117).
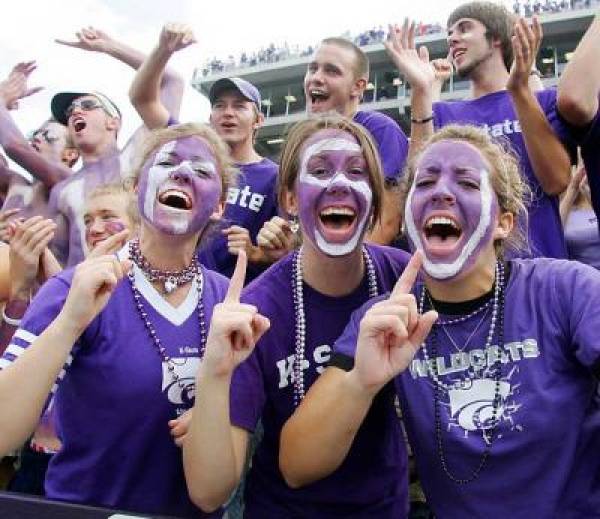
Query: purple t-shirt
point(115, 397)
point(583, 237)
point(249, 204)
point(372, 482)
point(390, 139)
point(495, 112)
point(544, 458)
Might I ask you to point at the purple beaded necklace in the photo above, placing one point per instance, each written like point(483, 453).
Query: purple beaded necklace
point(194, 267)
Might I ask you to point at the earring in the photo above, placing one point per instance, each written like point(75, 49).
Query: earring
point(294, 225)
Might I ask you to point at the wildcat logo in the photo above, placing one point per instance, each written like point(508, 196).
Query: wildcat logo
point(182, 391)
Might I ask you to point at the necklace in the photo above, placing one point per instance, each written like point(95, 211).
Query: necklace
point(161, 350)
point(466, 344)
point(440, 387)
point(171, 279)
point(300, 316)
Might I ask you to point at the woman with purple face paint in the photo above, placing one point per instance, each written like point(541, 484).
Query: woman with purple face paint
point(495, 362)
point(124, 352)
point(330, 178)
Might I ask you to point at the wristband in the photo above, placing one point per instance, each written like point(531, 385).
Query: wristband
point(422, 121)
point(17, 308)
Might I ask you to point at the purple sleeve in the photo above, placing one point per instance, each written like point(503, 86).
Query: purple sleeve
point(346, 343)
point(247, 396)
point(172, 121)
point(566, 134)
point(578, 298)
point(393, 148)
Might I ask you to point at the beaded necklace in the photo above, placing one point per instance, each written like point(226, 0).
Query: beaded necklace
point(300, 315)
point(441, 387)
point(162, 352)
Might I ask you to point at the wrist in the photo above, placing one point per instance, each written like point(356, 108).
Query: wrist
point(357, 389)
point(66, 326)
point(14, 311)
point(20, 293)
point(162, 53)
point(210, 375)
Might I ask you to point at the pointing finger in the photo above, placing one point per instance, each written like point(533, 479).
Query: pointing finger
point(236, 284)
point(407, 279)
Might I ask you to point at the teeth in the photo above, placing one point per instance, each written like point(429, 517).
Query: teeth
point(440, 220)
point(173, 192)
point(340, 211)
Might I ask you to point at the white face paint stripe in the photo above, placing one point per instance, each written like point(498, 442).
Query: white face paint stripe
point(446, 270)
point(327, 145)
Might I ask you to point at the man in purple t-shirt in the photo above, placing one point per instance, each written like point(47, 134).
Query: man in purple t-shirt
point(236, 116)
point(479, 41)
point(335, 80)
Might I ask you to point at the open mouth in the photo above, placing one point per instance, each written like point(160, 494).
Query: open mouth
point(318, 96)
point(442, 234)
point(79, 124)
point(337, 223)
point(35, 146)
point(458, 53)
point(176, 199)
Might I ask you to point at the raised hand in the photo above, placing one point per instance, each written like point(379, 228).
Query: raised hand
point(391, 332)
point(526, 42)
point(413, 65)
point(176, 36)
point(276, 238)
point(238, 238)
point(235, 328)
point(90, 38)
point(29, 240)
point(15, 86)
point(442, 68)
point(93, 283)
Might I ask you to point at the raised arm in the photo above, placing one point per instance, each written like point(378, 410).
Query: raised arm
point(549, 158)
point(318, 436)
point(92, 39)
point(15, 145)
point(214, 451)
point(417, 70)
point(579, 84)
point(26, 381)
point(145, 91)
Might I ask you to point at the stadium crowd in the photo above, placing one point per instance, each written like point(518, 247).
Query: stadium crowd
point(377, 326)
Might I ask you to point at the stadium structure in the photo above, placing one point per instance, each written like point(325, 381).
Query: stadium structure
point(281, 83)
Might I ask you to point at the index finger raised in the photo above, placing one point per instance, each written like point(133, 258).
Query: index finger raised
point(236, 284)
point(407, 279)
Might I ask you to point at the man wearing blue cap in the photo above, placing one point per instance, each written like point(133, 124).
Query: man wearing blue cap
point(93, 122)
point(236, 116)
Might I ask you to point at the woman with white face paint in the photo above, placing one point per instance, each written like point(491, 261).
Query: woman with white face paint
point(495, 362)
point(331, 180)
point(124, 352)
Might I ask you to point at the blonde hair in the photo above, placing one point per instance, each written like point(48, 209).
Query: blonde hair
point(157, 138)
point(303, 130)
point(510, 189)
point(122, 189)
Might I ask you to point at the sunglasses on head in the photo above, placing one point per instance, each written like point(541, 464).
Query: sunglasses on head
point(44, 134)
point(83, 104)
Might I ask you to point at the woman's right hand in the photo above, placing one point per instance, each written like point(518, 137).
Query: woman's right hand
point(390, 333)
point(93, 283)
point(235, 328)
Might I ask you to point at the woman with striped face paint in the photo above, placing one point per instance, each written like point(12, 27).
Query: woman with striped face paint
point(123, 336)
point(330, 178)
point(492, 358)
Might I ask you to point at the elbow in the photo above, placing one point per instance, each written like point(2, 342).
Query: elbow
point(292, 474)
point(575, 107)
point(207, 503)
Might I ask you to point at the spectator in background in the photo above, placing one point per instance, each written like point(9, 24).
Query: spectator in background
point(47, 156)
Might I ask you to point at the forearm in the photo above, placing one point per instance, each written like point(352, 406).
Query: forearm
point(26, 383)
point(566, 203)
point(212, 469)
point(316, 439)
point(421, 104)
point(579, 84)
point(48, 172)
point(11, 318)
point(549, 158)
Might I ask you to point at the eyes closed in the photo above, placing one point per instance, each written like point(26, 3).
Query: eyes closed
point(464, 177)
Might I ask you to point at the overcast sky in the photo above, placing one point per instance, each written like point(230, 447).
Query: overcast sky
point(221, 28)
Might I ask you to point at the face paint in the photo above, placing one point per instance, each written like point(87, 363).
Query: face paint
point(180, 186)
point(451, 208)
point(334, 192)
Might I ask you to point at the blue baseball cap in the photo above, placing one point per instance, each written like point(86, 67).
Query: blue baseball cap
point(246, 89)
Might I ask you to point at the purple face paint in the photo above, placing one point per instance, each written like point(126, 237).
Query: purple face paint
point(180, 186)
point(451, 209)
point(334, 192)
